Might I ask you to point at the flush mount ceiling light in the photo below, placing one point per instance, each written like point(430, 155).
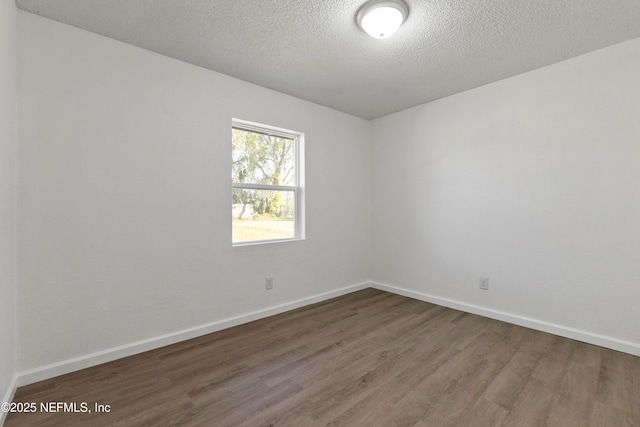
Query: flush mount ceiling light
point(381, 18)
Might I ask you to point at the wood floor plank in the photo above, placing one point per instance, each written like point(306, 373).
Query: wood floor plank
point(569, 412)
point(605, 415)
point(384, 399)
point(579, 383)
point(484, 413)
point(616, 390)
point(350, 373)
point(512, 379)
point(589, 355)
point(554, 363)
point(533, 405)
point(369, 358)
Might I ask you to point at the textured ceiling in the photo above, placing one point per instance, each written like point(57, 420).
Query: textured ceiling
point(313, 49)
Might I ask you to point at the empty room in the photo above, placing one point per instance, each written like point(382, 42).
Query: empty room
point(320, 213)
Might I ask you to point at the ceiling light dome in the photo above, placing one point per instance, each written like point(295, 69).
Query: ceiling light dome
point(381, 18)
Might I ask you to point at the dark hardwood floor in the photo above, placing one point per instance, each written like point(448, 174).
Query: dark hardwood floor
point(369, 358)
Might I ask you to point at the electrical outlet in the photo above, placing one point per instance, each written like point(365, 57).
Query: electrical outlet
point(269, 283)
point(484, 283)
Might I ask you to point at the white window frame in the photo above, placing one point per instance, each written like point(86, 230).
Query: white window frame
point(298, 189)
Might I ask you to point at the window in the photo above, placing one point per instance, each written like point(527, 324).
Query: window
point(267, 178)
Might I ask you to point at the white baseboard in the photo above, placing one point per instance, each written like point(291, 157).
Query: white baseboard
point(8, 397)
point(97, 358)
point(563, 331)
point(64, 367)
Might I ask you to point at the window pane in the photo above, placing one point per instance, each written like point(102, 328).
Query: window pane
point(263, 215)
point(262, 159)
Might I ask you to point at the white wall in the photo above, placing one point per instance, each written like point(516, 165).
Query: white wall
point(7, 197)
point(124, 201)
point(124, 196)
point(533, 182)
